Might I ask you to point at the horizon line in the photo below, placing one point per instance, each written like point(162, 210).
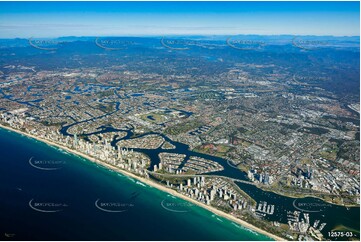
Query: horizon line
point(178, 35)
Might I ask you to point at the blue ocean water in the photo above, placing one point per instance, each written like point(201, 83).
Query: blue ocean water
point(80, 200)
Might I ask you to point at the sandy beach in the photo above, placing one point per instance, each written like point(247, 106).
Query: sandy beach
point(153, 184)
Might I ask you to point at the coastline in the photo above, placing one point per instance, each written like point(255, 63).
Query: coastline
point(152, 184)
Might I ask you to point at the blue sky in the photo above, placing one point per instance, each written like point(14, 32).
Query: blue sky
point(54, 19)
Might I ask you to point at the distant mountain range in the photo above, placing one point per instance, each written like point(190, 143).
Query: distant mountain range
point(345, 41)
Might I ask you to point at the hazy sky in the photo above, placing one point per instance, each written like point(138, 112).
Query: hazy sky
point(53, 19)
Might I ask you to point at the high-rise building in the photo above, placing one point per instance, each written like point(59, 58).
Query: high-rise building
point(212, 193)
point(250, 175)
point(196, 192)
point(75, 140)
point(266, 178)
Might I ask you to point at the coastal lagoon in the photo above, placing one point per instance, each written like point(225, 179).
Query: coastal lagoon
point(50, 194)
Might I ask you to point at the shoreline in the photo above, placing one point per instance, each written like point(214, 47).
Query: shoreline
point(152, 184)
